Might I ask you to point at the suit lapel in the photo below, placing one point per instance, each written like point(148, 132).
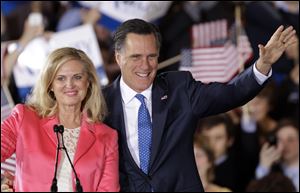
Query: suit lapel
point(116, 120)
point(115, 108)
point(159, 116)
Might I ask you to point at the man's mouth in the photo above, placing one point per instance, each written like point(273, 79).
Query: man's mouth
point(143, 75)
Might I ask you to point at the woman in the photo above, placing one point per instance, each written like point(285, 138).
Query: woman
point(67, 93)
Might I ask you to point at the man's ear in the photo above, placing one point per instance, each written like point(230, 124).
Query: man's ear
point(230, 142)
point(118, 58)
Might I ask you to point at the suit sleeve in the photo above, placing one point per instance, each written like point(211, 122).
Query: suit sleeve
point(214, 98)
point(9, 132)
point(110, 178)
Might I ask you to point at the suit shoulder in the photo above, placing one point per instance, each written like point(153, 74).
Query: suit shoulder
point(175, 77)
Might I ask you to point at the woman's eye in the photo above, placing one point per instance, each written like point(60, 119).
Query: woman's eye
point(60, 78)
point(78, 77)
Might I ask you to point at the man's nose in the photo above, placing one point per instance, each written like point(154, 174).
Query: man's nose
point(145, 64)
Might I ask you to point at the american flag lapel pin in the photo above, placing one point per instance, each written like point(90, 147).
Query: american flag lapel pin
point(164, 97)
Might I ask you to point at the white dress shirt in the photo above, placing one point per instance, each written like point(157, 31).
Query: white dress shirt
point(131, 106)
point(291, 172)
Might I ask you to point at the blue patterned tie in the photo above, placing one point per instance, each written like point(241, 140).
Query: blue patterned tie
point(144, 134)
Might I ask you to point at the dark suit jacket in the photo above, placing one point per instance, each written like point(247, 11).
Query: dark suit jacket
point(178, 101)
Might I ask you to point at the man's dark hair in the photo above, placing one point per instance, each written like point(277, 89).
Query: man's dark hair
point(136, 26)
point(273, 182)
point(213, 121)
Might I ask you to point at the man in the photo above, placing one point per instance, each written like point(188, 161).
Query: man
point(218, 133)
point(283, 156)
point(156, 115)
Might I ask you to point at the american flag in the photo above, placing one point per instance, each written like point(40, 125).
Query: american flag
point(6, 108)
point(215, 55)
point(209, 34)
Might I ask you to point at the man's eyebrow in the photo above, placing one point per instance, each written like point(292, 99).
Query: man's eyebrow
point(153, 55)
point(135, 55)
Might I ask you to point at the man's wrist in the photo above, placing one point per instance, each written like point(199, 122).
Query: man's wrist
point(263, 67)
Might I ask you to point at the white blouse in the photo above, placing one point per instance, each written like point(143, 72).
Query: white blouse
point(64, 177)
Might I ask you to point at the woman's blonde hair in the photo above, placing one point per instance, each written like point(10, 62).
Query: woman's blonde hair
point(42, 98)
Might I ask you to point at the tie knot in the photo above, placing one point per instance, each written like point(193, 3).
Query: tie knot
point(140, 97)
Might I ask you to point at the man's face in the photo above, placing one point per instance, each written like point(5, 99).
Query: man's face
point(138, 61)
point(288, 140)
point(217, 139)
point(259, 108)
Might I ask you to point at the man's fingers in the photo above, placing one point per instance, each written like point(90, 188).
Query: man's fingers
point(261, 49)
point(285, 34)
point(277, 33)
point(289, 36)
point(291, 41)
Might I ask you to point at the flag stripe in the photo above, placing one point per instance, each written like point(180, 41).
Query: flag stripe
point(214, 55)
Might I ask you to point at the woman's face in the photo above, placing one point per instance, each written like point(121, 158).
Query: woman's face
point(70, 84)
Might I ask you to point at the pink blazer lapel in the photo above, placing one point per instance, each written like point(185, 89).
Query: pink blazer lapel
point(86, 138)
point(47, 124)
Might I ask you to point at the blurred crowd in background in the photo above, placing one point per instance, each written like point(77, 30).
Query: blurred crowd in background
point(252, 148)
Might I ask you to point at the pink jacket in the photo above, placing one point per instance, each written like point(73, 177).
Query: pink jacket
point(33, 140)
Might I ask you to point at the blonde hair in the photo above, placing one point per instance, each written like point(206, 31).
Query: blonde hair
point(42, 98)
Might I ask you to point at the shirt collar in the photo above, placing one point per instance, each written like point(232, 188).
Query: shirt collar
point(128, 93)
point(221, 159)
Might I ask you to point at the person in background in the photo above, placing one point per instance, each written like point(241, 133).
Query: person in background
point(22, 32)
point(260, 119)
point(76, 15)
point(283, 154)
point(205, 163)
point(68, 94)
point(288, 102)
point(29, 33)
point(273, 182)
point(219, 134)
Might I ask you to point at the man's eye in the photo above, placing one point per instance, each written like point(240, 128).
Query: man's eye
point(152, 57)
point(135, 57)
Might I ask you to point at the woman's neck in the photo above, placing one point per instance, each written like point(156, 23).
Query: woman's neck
point(69, 117)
